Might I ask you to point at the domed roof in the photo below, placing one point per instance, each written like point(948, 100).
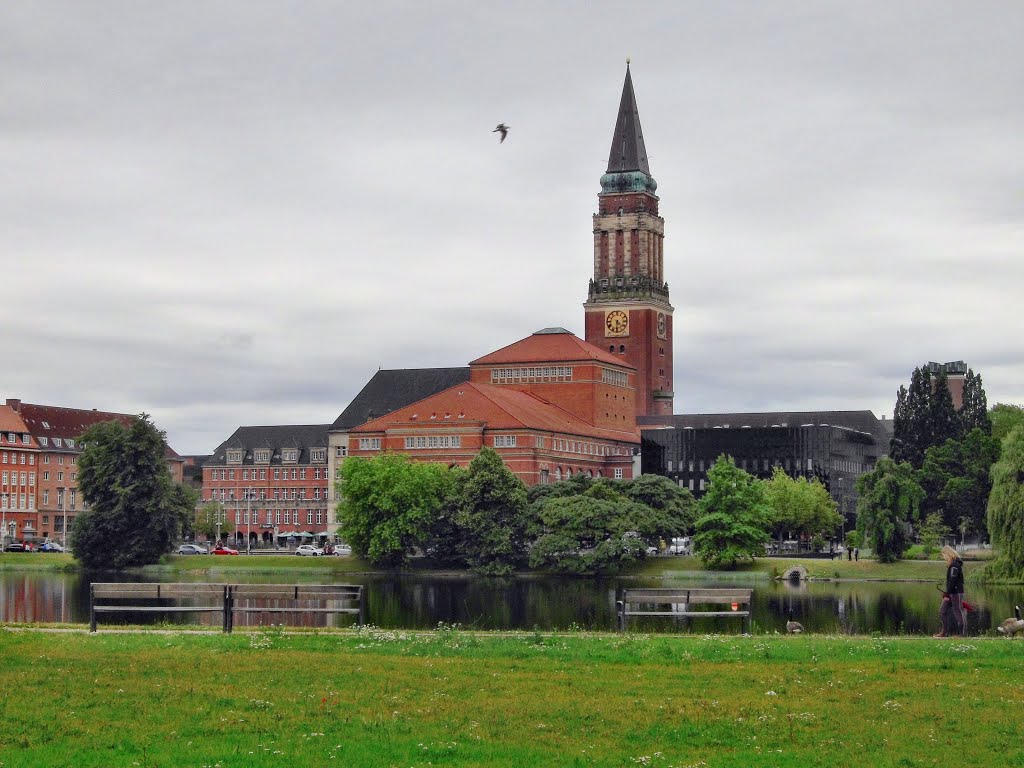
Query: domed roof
point(628, 181)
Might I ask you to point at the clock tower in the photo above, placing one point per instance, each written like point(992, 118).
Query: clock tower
point(627, 310)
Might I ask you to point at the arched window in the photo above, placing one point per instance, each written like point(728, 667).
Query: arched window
point(558, 474)
point(568, 472)
point(622, 347)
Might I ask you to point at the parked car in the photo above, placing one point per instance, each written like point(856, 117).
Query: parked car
point(15, 546)
point(308, 550)
point(192, 549)
point(341, 550)
point(222, 550)
point(51, 546)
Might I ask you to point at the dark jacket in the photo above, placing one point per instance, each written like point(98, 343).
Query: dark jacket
point(955, 577)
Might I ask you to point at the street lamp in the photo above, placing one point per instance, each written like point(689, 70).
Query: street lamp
point(64, 526)
point(248, 518)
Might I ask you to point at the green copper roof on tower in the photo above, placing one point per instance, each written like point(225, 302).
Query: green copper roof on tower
point(628, 152)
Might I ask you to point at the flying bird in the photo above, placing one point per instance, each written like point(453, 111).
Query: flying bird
point(503, 130)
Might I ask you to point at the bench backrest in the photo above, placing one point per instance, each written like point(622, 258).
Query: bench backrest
point(149, 591)
point(346, 592)
point(700, 595)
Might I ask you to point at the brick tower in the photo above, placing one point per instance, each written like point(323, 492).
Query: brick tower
point(627, 310)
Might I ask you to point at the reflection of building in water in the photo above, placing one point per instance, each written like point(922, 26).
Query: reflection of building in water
point(836, 447)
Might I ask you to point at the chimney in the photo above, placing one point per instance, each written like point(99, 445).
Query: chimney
point(15, 404)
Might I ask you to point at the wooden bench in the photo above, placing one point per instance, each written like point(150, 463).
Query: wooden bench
point(673, 602)
point(226, 599)
point(109, 598)
point(284, 598)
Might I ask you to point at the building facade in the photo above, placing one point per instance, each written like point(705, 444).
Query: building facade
point(19, 467)
point(836, 447)
point(551, 405)
point(270, 485)
point(627, 310)
point(57, 434)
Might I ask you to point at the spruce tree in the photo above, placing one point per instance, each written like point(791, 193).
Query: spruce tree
point(974, 412)
point(943, 421)
point(898, 444)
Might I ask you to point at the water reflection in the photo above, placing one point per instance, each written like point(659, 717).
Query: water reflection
point(419, 602)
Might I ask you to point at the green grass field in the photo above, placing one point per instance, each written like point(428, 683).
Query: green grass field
point(384, 698)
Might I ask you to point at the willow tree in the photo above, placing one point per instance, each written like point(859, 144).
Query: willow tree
point(1006, 508)
point(890, 499)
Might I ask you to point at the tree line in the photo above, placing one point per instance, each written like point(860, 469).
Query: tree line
point(949, 473)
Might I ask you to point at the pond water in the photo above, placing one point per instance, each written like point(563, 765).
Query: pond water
point(423, 602)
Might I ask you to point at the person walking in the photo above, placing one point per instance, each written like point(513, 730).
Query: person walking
point(951, 612)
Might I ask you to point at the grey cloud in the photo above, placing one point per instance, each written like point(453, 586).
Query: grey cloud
point(234, 212)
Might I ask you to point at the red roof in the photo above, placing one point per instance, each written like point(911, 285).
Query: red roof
point(498, 408)
point(52, 421)
point(550, 345)
point(10, 421)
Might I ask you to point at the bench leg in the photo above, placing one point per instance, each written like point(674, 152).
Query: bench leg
point(92, 609)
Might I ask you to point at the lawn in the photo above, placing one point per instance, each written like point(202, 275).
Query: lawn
point(371, 697)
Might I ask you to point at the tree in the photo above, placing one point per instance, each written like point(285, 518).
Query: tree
point(890, 498)
point(925, 416)
point(955, 479)
point(1006, 508)
point(943, 422)
point(799, 506)
point(489, 504)
point(660, 493)
point(932, 532)
point(209, 520)
point(1004, 417)
point(388, 505)
point(134, 513)
point(732, 517)
point(581, 534)
point(974, 408)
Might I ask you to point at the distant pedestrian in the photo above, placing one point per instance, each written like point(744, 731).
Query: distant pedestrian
point(849, 553)
point(856, 554)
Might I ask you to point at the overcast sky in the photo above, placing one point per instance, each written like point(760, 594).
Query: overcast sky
point(227, 213)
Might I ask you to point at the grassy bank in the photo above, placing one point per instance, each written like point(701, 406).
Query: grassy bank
point(379, 698)
point(774, 567)
point(655, 567)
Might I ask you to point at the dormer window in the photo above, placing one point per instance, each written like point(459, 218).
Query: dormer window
point(318, 454)
point(44, 441)
point(261, 457)
point(11, 437)
point(25, 440)
point(290, 455)
point(235, 457)
point(57, 443)
point(71, 443)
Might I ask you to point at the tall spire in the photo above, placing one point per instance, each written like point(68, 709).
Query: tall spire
point(628, 152)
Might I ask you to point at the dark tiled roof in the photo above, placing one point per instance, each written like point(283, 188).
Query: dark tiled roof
point(390, 390)
point(273, 438)
point(861, 421)
point(628, 152)
point(53, 421)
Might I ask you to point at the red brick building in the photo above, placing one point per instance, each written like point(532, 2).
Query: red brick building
point(551, 405)
point(57, 433)
point(627, 310)
point(271, 484)
point(19, 456)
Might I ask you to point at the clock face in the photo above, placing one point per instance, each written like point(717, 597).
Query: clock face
point(661, 325)
point(616, 323)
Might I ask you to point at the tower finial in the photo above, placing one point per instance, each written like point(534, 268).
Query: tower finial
point(627, 61)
